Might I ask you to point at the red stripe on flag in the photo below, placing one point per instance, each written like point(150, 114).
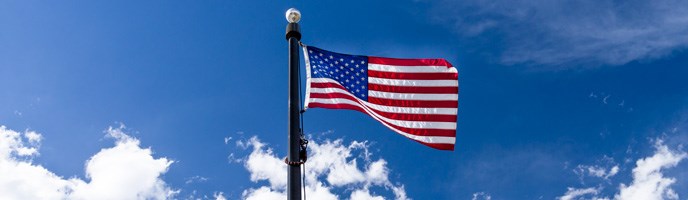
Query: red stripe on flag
point(390, 115)
point(440, 146)
point(396, 89)
point(413, 103)
point(328, 85)
point(413, 89)
point(413, 76)
point(392, 102)
point(331, 96)
point(412, 131)
point(395, 116)
point(408, 62)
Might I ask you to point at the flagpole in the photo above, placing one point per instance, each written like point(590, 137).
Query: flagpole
point(294, 174)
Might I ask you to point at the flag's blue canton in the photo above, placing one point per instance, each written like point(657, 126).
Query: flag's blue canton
point(349, 70)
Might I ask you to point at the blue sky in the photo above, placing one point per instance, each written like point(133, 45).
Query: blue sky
point(553, 97)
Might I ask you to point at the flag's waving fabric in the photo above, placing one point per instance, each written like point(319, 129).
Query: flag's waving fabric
point(417, 98)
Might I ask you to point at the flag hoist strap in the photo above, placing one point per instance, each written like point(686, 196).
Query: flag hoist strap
point(286, 161)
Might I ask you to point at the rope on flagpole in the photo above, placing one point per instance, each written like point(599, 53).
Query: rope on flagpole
point(304, 142)
point(303, 154)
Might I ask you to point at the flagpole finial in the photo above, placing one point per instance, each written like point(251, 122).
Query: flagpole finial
point(293, 15)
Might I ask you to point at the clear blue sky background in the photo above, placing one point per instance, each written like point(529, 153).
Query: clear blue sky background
point(543, 89)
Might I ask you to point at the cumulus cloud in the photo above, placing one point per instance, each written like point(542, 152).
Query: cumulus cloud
point(364, 194)
point(545, 32)
point(649, 183)
point(219, 196)
point(264, 165)
point(331, 165)
point(125, 171)
point(20, 179)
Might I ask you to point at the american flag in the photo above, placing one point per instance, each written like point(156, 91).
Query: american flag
point(417, 98)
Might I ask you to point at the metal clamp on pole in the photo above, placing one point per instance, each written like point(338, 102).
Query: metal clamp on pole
point(293, 163)
point(303, 153)
point(293, 31)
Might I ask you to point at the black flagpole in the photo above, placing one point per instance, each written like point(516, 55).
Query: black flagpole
point(294, 173)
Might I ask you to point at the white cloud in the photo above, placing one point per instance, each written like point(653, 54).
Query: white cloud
point(13, 143)
point(19, 178)
point(331, 165)
point(196, 179)
point(545, 32)
point(574, 193)
point(264, 165)
point(648, 181)
point(33, 137)
point(263, 193)
point(125, 171)
point(219, 196)
point(596, 171)
point(400, 193)
point(612, 172)
point(481, 196)
point(364, 194)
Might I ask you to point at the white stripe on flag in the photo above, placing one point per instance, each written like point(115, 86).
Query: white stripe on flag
point(308, 77)
point(402, 123)
point(391, 95)
point(420, 83)
point(412, 96)
point(394, 109)
point(410, 110)
point(411, 69)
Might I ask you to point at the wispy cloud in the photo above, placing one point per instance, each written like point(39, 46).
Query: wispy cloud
point(571, 33)
point(574, 193)
point(481, 196)
point(597, 171)
point(604, 169)
point(612, 101)
point(196, 179)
